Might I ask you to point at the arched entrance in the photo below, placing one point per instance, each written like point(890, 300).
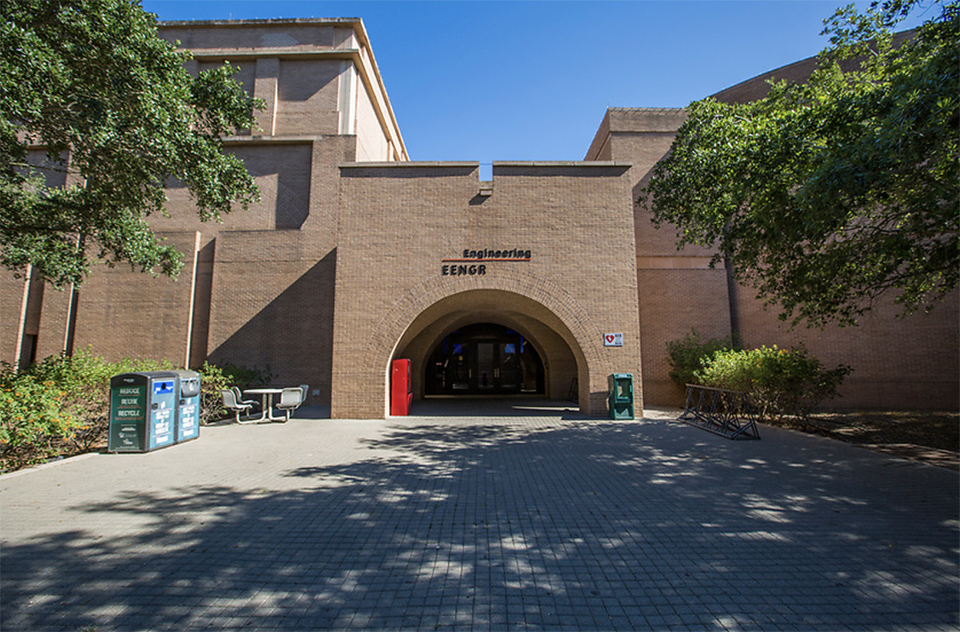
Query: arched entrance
point(561, 330)
point(490, 343)
point(484, 359)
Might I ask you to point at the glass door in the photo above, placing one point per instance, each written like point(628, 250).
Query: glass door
point(509, 374)
point(486, 377)
point(484, 359)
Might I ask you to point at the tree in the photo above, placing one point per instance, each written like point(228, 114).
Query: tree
point(97, 114)
point(830, 193)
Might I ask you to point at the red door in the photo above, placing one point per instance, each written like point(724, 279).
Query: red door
point(401, 388)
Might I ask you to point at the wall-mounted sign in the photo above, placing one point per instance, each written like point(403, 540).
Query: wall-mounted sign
point(489, 254)
point(473, 262)
point(612, 340)
point(463, 268)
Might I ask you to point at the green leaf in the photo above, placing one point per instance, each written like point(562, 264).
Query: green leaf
point(829, 194)
point(91, 84)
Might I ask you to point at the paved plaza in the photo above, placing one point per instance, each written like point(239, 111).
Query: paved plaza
point(482, 516)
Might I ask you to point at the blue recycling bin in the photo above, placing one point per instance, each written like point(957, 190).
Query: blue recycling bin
point(188, 405)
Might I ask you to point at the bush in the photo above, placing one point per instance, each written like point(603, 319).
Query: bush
point(687, 356)
point(61, 406)
point(32, 420)
point(779, 381)
point(214, 378)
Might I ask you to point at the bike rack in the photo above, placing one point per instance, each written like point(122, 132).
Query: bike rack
point(720, 411)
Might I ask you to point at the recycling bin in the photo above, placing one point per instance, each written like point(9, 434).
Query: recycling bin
point(143, 409)
point(401, 388)
point(188, 405)
point(620, 398)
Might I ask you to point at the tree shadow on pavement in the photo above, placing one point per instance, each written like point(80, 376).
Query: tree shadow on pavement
point(583, 525)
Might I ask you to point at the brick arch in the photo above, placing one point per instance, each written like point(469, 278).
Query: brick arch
point(559, 362)
point(532, 296)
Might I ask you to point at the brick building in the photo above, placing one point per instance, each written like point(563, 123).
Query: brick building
point(357, 256)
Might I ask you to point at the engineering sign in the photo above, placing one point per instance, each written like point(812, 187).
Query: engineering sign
point(474, 262)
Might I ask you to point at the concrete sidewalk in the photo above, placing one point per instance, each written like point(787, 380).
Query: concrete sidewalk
point(486, 517)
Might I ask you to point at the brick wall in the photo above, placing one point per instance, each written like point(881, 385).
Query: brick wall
point(672, 303)
point(282, 171)
point(911, 362)
point(399, 224)
point(339, 268)
point(272, 306)
point(123, 314)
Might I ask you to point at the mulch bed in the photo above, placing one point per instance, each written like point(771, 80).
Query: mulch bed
point(932, 437)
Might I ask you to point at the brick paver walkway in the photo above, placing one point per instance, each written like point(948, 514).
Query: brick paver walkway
point(529, 518)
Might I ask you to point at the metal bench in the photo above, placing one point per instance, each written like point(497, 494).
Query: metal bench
point(720, 411)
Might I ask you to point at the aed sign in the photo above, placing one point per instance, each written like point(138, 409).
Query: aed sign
point(612, 340)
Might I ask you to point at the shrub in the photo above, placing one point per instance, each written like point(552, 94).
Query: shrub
point(61, 406)
point(688, 355)
point(778, 381)
point(58, 407)
point(214, 378)
point(32, 419)
point(212, 381)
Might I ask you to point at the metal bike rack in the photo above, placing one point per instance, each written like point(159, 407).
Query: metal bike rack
point(720, 411)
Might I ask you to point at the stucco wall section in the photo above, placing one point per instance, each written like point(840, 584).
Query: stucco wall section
point(372, 144)
point(204, 38)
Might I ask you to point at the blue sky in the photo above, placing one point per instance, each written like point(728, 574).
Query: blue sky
point(488, 81)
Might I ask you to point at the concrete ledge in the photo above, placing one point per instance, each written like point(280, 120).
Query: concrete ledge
point(410, 164)
point(49, 464)
point(561, 163)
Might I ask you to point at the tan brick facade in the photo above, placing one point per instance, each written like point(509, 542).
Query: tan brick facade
point(402, 224)
point(355, 257)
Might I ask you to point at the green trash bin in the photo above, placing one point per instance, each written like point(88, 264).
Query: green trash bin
point(143, 409)
point(620, 398)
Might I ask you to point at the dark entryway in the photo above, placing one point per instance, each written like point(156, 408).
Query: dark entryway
point(484, 359)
